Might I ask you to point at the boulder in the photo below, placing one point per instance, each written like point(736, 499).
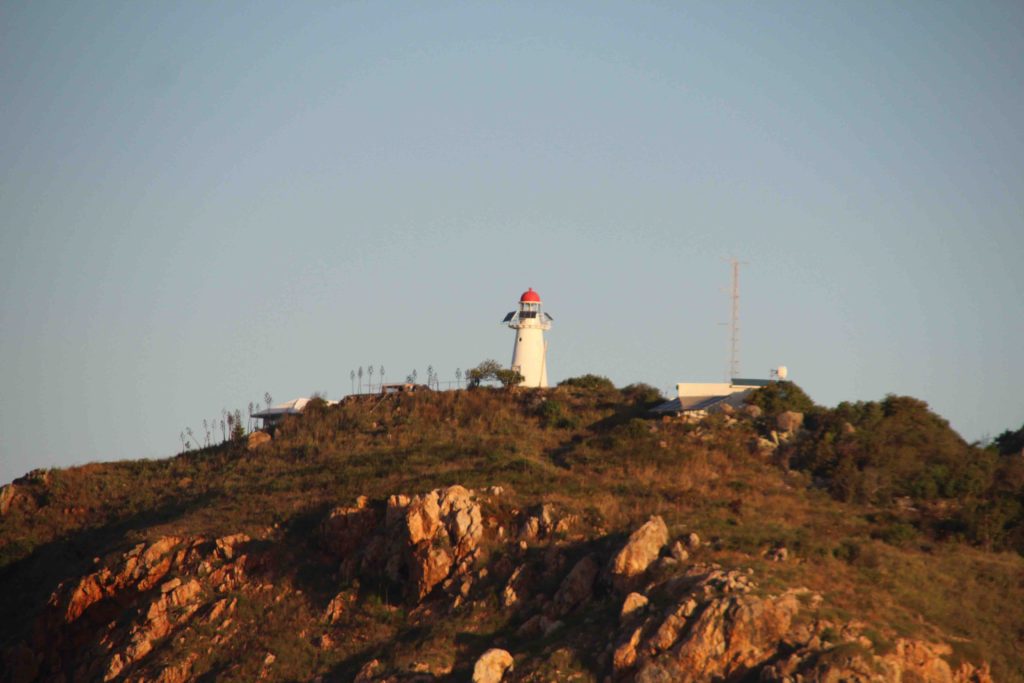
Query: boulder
point(633, 604)
point(428, 567)
point(577, 587)
point(679, 553)
point(491, 666)
point(729, 638)
point(422, 518)
point(642, 548)
point(752, 410)
point(369, 671)
point(625, 653)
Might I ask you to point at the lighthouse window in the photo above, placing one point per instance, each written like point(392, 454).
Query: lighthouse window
point(527, 314)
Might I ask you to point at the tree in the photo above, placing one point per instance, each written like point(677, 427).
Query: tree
point(360, 373)
point(1010, 443)
point(778, 397)
point(382, 378)
point(369, 382)
point(266, 397)
point(458, 378)
point(491, 370)
point(352, 376)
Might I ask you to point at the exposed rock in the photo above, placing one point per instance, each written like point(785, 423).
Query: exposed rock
point(538, 524)
point(577, 586)
point(511, 594)
point(789, 421)
point(910, 660)
point(778, 554)
point(113, 618)
point(428, 567)
point(625, 649)
point(679, 553)
point(257, 439)
point(692, 541)
point(633, 604)
point(8, 494)
point(753, 410)
point(369, 672)
point(337, 607)
point(731, 635)
point(422, 518)
point(640, 550)
point(491, 666)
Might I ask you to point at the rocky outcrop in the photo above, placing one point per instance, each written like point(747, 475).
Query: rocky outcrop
point(8, 493)
point(419, 541)
point(125, 609)
point(642, 548)
point(491, 666)
point(161, 610)
point(577, 587)
point(853, 661)
point(441, 532)
point(714, 627)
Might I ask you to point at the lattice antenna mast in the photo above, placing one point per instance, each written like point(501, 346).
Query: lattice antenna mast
point(734, 321)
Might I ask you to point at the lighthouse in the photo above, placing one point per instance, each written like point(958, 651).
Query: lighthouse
point(529, 355)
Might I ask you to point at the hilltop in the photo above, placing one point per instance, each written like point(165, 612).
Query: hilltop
point(536, 534)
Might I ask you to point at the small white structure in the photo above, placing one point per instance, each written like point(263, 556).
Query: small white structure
point(530, 353)
point(696, 399)
point(272, 416)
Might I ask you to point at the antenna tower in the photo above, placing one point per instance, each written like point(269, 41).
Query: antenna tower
point(734, 321)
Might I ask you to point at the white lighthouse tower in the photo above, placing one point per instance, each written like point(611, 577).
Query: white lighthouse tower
point(530, 353)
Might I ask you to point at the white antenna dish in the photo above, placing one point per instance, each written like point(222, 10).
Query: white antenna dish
point(782, 372)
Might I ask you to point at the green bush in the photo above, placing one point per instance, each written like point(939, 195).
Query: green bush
point(642, 394)
point(779, 397)
point(589, 382)
point(553, 415)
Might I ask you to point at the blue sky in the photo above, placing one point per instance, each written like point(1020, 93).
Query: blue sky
point(203, 202)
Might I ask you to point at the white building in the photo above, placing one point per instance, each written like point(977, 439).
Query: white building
point(696, 399)
point(272, 416)
point(530, 353)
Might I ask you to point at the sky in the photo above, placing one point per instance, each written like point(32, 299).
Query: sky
point(201, 203)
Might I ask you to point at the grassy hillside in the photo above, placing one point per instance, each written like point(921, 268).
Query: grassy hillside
point(890, 531)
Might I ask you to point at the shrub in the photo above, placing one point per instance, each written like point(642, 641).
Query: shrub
point(643, 394)
point(779, 397)
point(1010, 443)
point(553, 415)
point(589, 382)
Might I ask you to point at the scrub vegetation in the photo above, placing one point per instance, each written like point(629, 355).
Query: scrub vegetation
point(882, 506)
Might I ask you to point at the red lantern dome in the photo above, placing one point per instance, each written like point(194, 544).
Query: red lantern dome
point(530, 297)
